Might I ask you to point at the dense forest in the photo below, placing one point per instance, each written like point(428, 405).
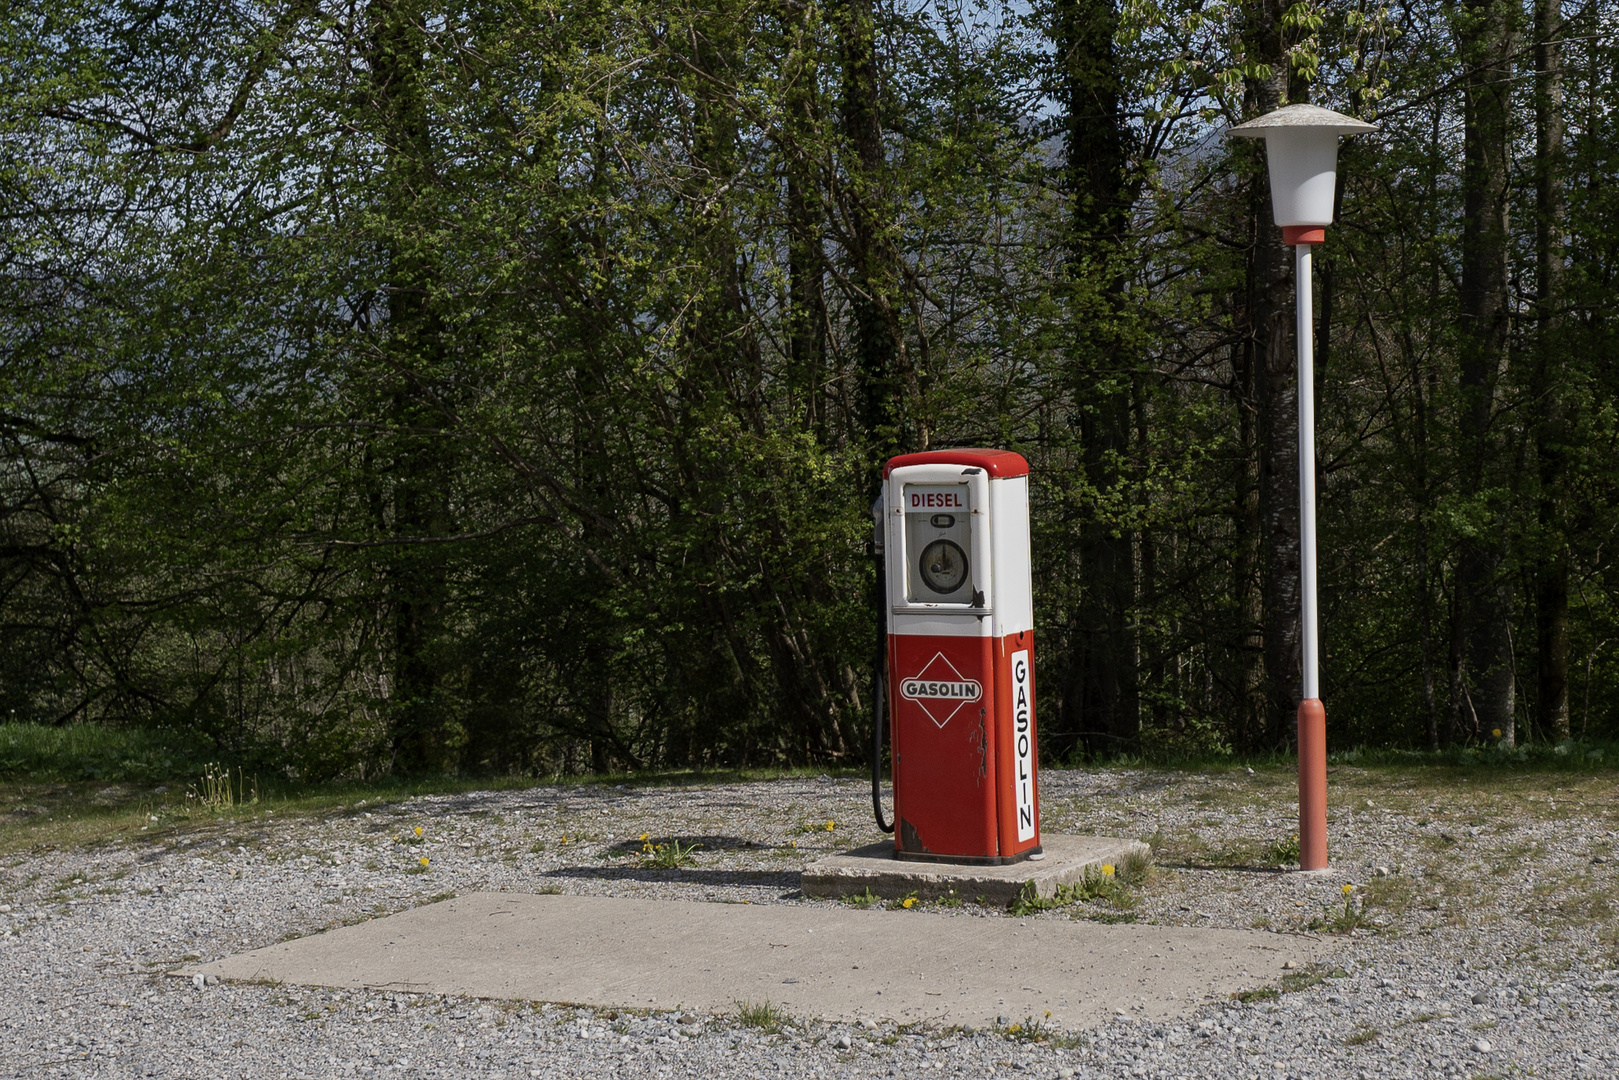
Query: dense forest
point(388, 386)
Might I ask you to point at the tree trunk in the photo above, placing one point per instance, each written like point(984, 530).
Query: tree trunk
point(1248, 559)
point(1488, 34)
point(424, 731)
point(890, 389)
point(1424, 585)
point(1551, 435)
point(806, 271)
point(1274, 370)
point(1108, 712)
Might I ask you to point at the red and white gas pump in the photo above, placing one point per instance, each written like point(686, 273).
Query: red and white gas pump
point(953, 531)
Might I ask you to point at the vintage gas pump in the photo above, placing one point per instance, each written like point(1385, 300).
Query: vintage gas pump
point(953, 535)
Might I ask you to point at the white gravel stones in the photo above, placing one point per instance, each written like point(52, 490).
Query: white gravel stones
point(1484, 946)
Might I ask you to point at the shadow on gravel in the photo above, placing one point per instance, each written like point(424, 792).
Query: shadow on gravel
point(785, 879)
point(1237, 868)
point(703, 844)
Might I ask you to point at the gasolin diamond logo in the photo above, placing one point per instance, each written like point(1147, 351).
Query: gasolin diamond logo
point(940, 689)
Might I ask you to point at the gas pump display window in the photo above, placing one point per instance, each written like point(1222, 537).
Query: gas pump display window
point(943, 566)
point(938, 541)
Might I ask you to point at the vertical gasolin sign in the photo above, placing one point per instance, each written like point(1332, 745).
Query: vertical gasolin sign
point(960, 613)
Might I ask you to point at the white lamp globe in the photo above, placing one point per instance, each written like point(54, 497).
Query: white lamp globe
point(1301, 150)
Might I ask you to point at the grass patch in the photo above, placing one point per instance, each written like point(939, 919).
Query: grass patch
point(1109, 887)
point(1291, 982)
point(1420, 1018)
point(669, 856)
point(863, 899)
point(1309, 975)
point(87, 752)
point(764, 1016)
point(1362, 1037)
point(1352, 916)
point(1283, 852)
point(217, 791)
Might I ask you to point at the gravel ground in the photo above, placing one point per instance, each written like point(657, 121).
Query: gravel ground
point(1477, 938)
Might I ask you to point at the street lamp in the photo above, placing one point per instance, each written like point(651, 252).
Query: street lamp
point(1301, 149)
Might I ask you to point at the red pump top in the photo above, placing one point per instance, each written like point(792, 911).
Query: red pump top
point(1000, 464)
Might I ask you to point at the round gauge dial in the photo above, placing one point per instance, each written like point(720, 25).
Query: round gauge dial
point(944, 566)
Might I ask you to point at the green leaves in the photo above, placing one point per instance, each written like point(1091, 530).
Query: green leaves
point(483, 386)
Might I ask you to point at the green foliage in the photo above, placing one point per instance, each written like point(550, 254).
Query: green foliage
point(1282, 852)
point(485, 391)
point(1352, 916)
point(764, 1016)
point(1033, 1030)
point(90, 752)
point(669, 856)
point(1107, 887)
point(218, 791)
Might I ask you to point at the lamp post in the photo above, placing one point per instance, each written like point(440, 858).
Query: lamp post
point(1301, 150)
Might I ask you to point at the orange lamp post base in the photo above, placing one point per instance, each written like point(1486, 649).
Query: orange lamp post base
point(1312, 785)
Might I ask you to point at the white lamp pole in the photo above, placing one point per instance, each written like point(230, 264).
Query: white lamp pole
point(1301, 149)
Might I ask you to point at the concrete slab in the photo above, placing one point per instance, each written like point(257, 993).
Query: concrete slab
point(1066, 859)
point(829, 963)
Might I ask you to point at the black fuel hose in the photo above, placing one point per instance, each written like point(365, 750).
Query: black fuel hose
point(879, 695)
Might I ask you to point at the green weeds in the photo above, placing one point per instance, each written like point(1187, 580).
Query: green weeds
point(216, 792)
point(1309, 975)
point(1283, 852)
point(764, 1016)
point(1351, 917)
point(668, 856)
point(1107, 887)
point(1031, 1030)
point(1291, 983)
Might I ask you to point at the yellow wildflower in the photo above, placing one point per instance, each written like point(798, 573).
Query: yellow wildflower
point(423, 860)
point(830, 825)
point(1348, 889)
point(1107, 869)
point(418, 832)
point(908, 903)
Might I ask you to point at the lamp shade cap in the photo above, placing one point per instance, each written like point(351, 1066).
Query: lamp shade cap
point(1300, 116)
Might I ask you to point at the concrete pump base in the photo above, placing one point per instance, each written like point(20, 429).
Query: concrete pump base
point(1066, 859)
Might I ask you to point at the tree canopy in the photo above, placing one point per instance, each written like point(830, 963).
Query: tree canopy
point(394, 386)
